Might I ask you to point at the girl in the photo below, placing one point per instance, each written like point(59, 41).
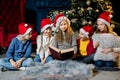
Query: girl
point(43, 42)
point(105, 38)
point(64, 38)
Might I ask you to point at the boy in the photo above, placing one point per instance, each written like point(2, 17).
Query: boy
point(19, 50)
point(85, 44)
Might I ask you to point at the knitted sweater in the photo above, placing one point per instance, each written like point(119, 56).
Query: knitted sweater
point(105, 40)
point(42, 46)
point(65, 45)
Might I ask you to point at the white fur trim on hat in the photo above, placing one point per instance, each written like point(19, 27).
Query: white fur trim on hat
point(46, 26)
point(27, 31)
point(84, 32)
point(60, 19)
point(101, 19)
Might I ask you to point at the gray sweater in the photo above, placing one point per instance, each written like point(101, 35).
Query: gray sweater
point(105, 40)
point(66, 45)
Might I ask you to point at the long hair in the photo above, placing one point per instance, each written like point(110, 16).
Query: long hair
point(109, 29)
point(68, 34)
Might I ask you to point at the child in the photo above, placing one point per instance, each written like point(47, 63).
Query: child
point(64, 38)
point(85, 44)
point(19, 51)
point(105, 38)
point(43, 41)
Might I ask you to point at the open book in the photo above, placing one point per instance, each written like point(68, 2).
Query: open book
point(61, 54)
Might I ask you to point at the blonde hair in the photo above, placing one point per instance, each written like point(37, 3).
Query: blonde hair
point(68, 34)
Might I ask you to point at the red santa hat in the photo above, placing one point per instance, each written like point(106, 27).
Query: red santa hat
point(105, 17)
point(45, 23)
point(24, 29)
point(87, 30)
point(58, 19)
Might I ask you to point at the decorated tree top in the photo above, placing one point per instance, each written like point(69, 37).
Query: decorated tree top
point(85, 12)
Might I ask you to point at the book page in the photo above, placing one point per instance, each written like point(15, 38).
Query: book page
point(67, 50)
point(61, 54)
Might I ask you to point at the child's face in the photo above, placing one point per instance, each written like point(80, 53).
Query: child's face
point(82, 36)
point(28, 36)
point(63, 25)
point(48, 32)
point(101, 26)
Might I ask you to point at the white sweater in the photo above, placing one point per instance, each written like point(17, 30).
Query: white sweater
point(105, 40)
point(42, 46)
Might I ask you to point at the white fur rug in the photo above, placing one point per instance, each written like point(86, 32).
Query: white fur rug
point(59, 70)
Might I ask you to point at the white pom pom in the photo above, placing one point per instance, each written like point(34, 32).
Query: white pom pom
point(111, 16)
point(26, 25)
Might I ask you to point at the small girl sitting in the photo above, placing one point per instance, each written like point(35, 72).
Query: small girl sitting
point(105, 38)
point(43, 41)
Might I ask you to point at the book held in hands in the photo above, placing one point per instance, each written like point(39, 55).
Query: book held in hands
point(61, 54)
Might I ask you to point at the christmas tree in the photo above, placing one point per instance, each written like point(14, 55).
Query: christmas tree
point(85, 12)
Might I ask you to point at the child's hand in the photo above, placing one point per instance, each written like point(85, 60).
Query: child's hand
point(115, 55)
point(13, 63)
point(49, 52)
point(106, 50)
point(19, 62)
point(43, 62)
point(74, 56)
point(96, 44)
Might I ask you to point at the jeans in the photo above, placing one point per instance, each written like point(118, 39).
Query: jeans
point(5, 63)
point(101, 63)
point(88, 59)
point(37, 58)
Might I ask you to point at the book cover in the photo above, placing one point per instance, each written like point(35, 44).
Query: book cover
point(61, 54)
